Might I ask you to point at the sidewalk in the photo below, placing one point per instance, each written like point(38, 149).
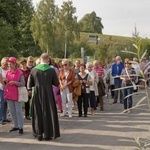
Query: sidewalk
point(106, 130)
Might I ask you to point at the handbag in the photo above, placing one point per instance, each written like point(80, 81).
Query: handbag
point(22, 94)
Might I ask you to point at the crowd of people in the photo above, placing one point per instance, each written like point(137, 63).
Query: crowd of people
point(62, 87)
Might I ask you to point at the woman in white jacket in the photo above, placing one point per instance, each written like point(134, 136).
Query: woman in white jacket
point(93, 87)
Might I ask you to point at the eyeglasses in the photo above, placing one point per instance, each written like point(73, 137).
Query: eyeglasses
point(64, 64)
point(127, 63)
point(31, 61)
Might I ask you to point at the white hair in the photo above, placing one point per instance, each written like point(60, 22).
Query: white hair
point(4, 59)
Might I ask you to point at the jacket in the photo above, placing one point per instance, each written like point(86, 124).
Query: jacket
point(11, 91)
point(77, 89)
point(70, 78)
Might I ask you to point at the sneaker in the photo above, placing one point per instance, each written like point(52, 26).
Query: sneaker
point(13, 129)
point(70, 116)
point(129, 111)
point(62, 115)
point(20, 131)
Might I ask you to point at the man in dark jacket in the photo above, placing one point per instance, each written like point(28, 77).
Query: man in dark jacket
point(116, 72)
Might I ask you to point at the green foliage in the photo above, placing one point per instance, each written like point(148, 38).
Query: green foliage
point(66, 28)
point(42, 27)
point(91, 23)
point(15, 16)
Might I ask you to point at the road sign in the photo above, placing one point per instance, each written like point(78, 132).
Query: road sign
point(92, 36)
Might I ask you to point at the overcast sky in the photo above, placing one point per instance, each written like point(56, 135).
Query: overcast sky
point(119, 17)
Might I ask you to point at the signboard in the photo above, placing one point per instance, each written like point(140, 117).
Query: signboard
point(88, 58)
point(93, 39)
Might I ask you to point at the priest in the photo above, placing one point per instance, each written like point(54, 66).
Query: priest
point(45, 123)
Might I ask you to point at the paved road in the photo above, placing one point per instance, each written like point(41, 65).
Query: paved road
point(106, 130)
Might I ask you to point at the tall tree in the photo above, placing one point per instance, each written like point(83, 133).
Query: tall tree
point(67, 28)
point(26, 40)
point(42, 25)
point(16, 16)
point(91, 23)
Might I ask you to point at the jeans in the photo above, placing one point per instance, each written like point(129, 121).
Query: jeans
point(118, 85)
point(66, 97)
point(16, 113)
point(127, 101)
point(3, 106)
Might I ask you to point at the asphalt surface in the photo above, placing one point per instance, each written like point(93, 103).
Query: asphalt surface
point(106, 130)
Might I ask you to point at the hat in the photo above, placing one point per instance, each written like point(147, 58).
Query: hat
point(12, 59)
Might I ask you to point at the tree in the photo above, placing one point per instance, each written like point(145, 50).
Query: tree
point(66, 27)
point(26, 40)
point(7, 38)
point(91, 23)
point(42, 25)
point(16, 17)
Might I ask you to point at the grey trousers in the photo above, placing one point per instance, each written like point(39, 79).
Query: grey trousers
point(16, 113)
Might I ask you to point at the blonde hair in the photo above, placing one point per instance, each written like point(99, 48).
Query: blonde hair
point(4, 59)
point(89, 64)
point(65, 61)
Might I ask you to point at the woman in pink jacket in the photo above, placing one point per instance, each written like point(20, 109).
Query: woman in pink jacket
point(14, 79)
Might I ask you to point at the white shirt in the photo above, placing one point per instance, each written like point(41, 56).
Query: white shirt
point(3, 73)
point(92, 75)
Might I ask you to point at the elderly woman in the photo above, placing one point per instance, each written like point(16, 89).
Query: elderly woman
point(3, 103)
point(93, 87)
point(26, 71)
point(14, 79)
point(86, 82)
point(66, 78)
point(128, 78)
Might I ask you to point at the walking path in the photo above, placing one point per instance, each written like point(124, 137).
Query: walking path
point(106, 130)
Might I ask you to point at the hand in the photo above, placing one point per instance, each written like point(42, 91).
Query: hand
point(84, 81)
point(12, 82)
point(124, 79)
point(5, 80)
point(29, 93)
point(81, 81)
point(63, 87)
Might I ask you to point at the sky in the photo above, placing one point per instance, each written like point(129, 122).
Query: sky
point(119, 17)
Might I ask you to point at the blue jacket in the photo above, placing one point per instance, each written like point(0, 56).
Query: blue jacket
point(116, 71)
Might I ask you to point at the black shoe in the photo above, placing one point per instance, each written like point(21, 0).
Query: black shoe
point(13, 129)
point(114, 102)
point(28, 118)
point(47, 139)
point(121, 102)
point(85, 115)
point(20, 131)
point(102, 109)
point(6, 120)
point(40, 138)
point(3, 123)
point(80, 115)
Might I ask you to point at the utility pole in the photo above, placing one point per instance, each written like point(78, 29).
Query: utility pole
point(65, 44)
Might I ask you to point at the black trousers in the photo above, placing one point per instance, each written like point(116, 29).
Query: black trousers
point(27, 107)
point(83, 101)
